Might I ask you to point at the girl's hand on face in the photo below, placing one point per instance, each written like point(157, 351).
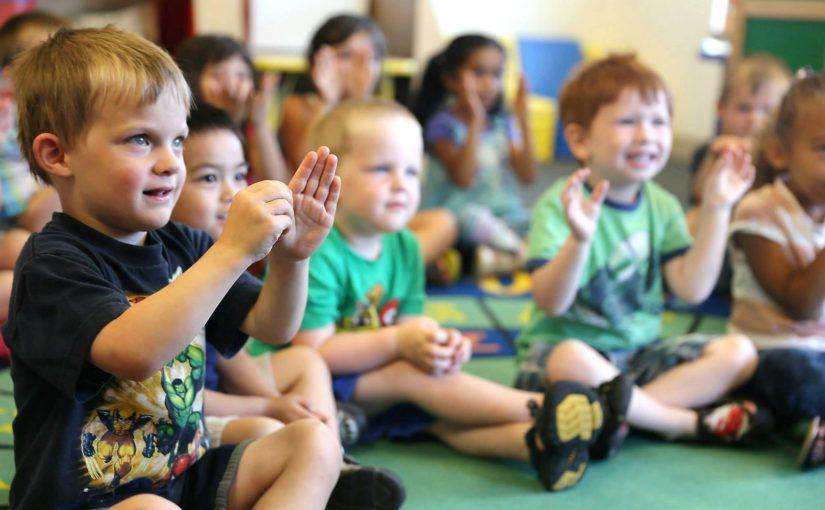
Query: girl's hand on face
point(582, 213)
point(325, 75)
point(469, 100)
point(260, 102)
point(731, 177)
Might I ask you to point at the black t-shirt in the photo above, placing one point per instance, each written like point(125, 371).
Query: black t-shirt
point(82, 437)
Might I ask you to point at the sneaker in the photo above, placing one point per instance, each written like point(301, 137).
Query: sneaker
point(351, 421)
point(366, 488)
point(446, 270)
point(812, 454)
point(491, 262)
point(737, 422)
point(615, 399)
point(566, 425)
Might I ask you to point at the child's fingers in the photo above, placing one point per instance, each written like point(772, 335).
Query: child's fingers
point(327, 176)
point(331, 204)
point(299, 180)
point(600, 193)
point(314, 179)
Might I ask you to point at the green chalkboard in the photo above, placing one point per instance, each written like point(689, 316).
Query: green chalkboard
point(798, 43)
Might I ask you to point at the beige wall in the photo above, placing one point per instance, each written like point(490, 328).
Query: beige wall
point(664, 33)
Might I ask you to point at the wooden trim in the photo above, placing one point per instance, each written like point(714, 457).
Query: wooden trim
point(789, 10)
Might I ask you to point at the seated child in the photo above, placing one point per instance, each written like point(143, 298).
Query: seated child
point(777, 241)
point(220, 73)
point(344, 60)
point(112, 303)
point(364, 315)
point(600, 255)
point(476, 150)
point(25, 205)
point(751, 91)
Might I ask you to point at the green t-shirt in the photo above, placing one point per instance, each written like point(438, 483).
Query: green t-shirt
point(355, 293)
point(620, 297)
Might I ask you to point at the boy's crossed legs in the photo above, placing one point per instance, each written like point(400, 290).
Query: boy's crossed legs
point(483, 418)
point(295, 467)
point(665, 404)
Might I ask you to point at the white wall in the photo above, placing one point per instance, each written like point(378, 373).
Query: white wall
point(664, 33)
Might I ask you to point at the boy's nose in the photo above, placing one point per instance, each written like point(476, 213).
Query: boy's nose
point(170, 162)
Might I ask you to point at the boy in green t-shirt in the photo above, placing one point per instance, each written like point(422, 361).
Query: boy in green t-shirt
point(364, 315)
point(600, 256)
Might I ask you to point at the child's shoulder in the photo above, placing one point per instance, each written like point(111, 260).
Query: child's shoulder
point(764, 201)
point(660, 199)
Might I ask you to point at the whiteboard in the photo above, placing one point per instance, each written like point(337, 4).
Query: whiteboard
point(286, 26)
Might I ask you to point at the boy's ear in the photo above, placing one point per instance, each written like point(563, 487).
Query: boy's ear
point(50, 153)
point(576, 137)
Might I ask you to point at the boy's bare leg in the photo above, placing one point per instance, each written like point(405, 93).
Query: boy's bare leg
point(498, 441)
point(249, 427)
point(145, 502)
point(295, 467)
point(300, 370)
point(461, 399)
point(436, 231)
point(726, 363)
point(573, 360)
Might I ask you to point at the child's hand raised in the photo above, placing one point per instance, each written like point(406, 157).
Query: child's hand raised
point(325, 76)
point(258, 217)
point(470, 102)
point(730, 177)
point(582, 213)
point(314, 190)
point(422, 342)
point(522, 94)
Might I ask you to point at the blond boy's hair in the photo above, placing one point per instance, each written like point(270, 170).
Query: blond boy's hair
point(755, 71)
point(60, 84)
point(599, 83)
point(335, 128)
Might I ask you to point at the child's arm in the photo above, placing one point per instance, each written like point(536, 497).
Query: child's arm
point(265, 154)
point(556, 283)
point(800, 291)
point(151, 332)
point(138, 342)
point(692, 276)
point(419, 340)
point(460, 160)
point(277, 313)
point(252, 395)
point(522, 156)
point(718, 147)
point(301, 111)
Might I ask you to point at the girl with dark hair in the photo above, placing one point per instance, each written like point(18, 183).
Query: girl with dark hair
point(220, 73)
point(475, 148)
point(344, 59)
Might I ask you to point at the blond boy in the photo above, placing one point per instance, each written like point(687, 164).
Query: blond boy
point(112, 303)
point(365, 317)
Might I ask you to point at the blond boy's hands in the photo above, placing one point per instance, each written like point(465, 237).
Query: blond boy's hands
point(730, 178)
point(258, 217)
point(582, 213)
point(422, 342)
point(314, 190)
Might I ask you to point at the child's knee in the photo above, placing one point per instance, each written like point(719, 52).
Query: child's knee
point(312, 439)
point(567, 358)
point(145, 502)
point(309, 359)
point(738, 351)
point(249, 427)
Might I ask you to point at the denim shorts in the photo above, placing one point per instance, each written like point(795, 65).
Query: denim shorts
point(642, 364)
